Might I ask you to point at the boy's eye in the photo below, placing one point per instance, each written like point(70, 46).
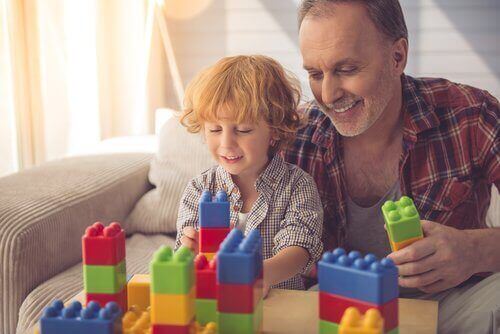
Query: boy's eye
point(244, 130)
point(214, 130)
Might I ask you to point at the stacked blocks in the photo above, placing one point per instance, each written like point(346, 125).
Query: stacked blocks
point(353, 323)
point(206, 290)
point(138, 292)
point(402, 222)
point(104, 269)
point(352, 280)
point(74, 319)
point(214, 222)
point(239, 273)
point(172, 291)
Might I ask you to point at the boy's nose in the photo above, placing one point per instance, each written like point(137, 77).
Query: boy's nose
point(227, 140)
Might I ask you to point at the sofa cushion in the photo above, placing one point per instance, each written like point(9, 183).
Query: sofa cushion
point(140, 249)
point(181, 156)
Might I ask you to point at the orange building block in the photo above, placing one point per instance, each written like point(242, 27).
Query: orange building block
point(138, 291)
point(353, 323)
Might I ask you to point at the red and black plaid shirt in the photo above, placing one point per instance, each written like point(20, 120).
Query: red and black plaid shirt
point(451, 155)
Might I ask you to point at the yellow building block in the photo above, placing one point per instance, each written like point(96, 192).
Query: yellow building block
point(138, 291)
point(136, 321)
point(172, 309)
point(353, 323)
point(210, 328)
point(209, 256)
point(402, 244)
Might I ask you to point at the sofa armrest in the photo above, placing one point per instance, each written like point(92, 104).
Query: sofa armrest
point(44, 212)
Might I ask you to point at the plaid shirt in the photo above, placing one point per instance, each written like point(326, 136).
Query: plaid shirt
point(450, 155)
point(287, 212)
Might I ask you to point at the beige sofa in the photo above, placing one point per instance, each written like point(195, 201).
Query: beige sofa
point(45, 210)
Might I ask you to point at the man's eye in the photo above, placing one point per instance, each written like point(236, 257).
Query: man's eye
point(348, 70)
point(315, 75)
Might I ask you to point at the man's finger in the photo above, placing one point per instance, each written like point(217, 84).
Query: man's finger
point(438, 286)
point(428, 227)
point(419, 281)
point(414, 252)
point(417, 267)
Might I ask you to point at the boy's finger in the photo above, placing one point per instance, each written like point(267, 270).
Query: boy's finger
point(190, 232)
point(189, 243)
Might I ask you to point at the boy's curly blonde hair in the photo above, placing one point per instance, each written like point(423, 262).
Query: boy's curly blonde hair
point(251, 88)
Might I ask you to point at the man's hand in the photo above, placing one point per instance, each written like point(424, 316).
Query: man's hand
point(443, 259)
point(190, 238)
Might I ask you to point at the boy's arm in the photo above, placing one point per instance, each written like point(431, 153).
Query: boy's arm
point(188, 210)
point(298, 243)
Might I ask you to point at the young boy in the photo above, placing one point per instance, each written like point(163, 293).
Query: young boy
point(246, 108)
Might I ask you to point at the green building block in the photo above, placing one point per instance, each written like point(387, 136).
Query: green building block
point(104, 279)
point(230, 323)
point(172, 273)
point(402, 220)
point(394, 331)
point(206, 311)
point(327, 327)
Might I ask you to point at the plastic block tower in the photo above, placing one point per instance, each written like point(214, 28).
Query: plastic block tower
point(136, 321)
point(402, 222)
point(354, 323)
point(347, 280)
point(214, 222)
point(239, 283)
point(104, 269)
point(206, 290)
point(75, 319)
point(172, 291)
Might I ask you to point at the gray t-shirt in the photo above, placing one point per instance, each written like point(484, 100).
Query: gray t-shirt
point(365, 229)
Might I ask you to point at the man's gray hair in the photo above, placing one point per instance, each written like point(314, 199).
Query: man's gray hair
point(387, 15)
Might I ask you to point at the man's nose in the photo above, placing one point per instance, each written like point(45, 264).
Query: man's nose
point(331, 89)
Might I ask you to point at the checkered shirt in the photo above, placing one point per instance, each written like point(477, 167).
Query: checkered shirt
point(287, 212)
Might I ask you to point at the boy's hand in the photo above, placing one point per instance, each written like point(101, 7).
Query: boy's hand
point(265, 290)
point(190, 238)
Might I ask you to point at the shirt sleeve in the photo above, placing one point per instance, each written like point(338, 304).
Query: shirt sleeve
point(303, 222)
point(188, 209)
point(488, 140)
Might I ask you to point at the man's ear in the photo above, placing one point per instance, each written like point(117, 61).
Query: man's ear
point(399, 55)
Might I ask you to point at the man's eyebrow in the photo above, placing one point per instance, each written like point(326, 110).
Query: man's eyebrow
point(341, 62)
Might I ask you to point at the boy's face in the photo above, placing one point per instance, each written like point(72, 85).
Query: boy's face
point(241, 149)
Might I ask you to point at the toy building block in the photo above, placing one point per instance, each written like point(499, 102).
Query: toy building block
point(353, 323)
point(350, 275)
point(172, 309)
point(210, 328)
point(242, 323)
point(172, 329)
point(206, 290)
point(332, 308)
point(402, 222)
point(214, 213)
point(326, 327)
point(103, 298)
point(206, 310)
point(249, 296)
point(172, 273)
point(136, 321)
point(138, 291)
point(209, 256)
point(105, 279)
point(103, 245)
point(74, 319)
point(211, 238)
point(239, 260)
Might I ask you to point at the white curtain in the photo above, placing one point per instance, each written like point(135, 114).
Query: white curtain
point(73, 73)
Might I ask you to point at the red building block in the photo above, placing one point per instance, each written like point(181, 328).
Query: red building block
point(103, 245)
point(211, 238)
point(103, 298)
point(172, 329)
point(205, 277)
point(238, 298)
point(332, 307)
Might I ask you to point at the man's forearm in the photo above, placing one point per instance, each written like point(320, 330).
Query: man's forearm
point(487, 244)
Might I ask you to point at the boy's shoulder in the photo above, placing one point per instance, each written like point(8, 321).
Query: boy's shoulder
point(294, 174)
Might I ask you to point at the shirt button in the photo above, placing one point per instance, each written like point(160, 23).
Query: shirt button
point(236, 209)
point(446, 201)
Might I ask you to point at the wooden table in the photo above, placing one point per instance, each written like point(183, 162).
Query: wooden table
point(291, 311)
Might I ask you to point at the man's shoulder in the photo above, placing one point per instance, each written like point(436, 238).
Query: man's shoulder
point(452, 97)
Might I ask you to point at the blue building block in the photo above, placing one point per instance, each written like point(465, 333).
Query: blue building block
point(239, 260)
point(350, 275)
point(74, 319)
point(214, 213)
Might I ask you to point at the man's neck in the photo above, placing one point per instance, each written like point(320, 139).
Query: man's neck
point(385, 130)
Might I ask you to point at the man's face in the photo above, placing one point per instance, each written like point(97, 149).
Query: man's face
point(349, 66)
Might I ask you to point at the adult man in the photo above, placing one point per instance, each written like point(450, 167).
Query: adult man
point(374, 134)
